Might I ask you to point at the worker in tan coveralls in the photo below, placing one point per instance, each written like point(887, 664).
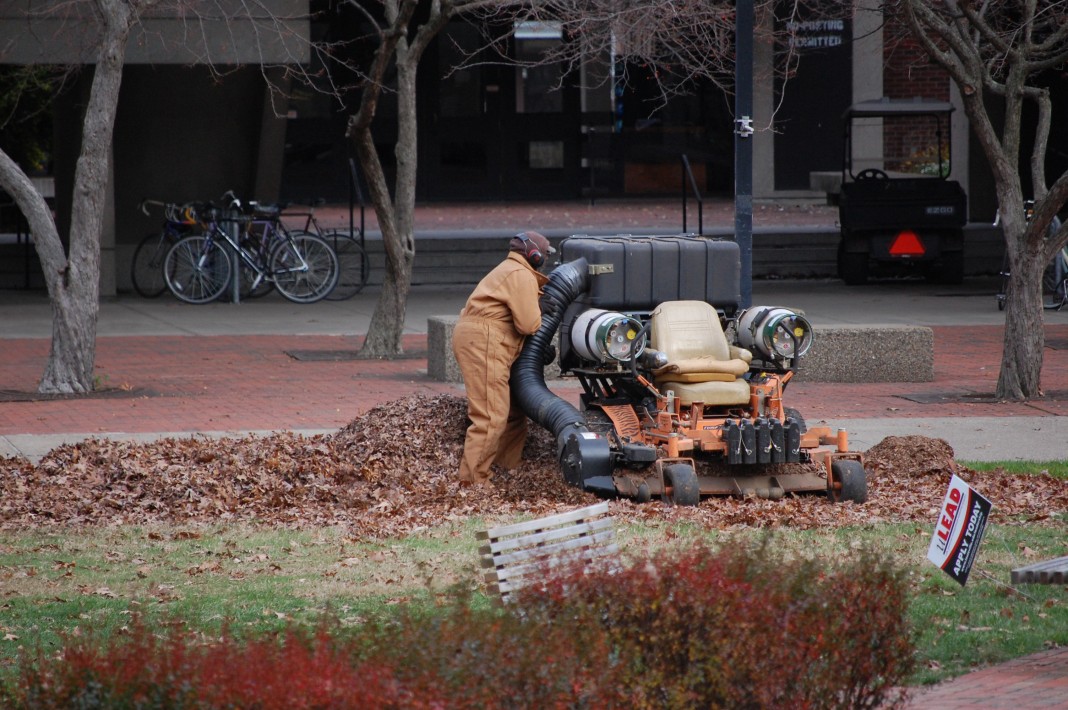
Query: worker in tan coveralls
point(499, 314)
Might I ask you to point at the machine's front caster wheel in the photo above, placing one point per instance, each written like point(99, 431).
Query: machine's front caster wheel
point(853, 480)
point(644, 495)
point(682, 479)
point(792, 413)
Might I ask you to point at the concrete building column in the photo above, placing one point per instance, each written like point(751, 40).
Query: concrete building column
point(764, 113)
point(271, 148)
point(867, 58)
point(868, 51)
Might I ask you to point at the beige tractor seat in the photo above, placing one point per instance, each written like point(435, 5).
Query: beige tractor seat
point(701, 365)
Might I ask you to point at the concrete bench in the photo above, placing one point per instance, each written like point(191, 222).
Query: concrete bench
point(441, 364)
point(876, 353)
point(873, 353)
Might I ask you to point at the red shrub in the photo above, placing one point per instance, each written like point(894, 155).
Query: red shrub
point(178, 671)
point(743, 628)
point(488, 659)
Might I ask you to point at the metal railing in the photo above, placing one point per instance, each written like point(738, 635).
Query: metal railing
point(687, 177)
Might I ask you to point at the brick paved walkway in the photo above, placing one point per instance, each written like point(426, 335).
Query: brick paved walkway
point(1036, 681)
point(210, 383)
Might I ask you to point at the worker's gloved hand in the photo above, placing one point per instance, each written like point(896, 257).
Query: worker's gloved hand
point(549, 306)
point(549, 355)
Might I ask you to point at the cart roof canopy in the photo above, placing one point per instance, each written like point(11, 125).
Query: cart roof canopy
point(897, 107)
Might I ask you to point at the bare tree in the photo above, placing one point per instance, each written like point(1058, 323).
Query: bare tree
point(401, 42)
point(996, 52)
point(73, 279)
point(98, 32)
point(684, 40)
point(681, 41)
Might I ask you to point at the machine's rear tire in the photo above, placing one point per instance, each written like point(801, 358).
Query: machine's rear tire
point(685, 490)
point(854, 480)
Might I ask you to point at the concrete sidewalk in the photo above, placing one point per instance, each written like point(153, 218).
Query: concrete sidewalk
point(27, 314)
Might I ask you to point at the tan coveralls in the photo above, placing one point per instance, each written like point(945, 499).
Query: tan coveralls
point(487, 339)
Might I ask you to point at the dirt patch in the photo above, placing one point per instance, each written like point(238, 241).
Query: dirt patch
point(393, 471)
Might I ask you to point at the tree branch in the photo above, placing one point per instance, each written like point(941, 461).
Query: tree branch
point(1038, 150)
point(388, 38)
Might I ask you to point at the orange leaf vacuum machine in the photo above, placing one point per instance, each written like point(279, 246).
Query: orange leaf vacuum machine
point(682, 390)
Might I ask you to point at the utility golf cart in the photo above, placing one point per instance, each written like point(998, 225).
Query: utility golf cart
point(898, 209)
point(682, 392)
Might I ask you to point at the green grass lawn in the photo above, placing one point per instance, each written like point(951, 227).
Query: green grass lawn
point(1057, 469)
point(70, 582)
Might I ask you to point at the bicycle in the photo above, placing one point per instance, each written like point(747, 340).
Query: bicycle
point(1055, 282)
point(354, 266)
point(1054, 276)
point(146, 267)
point(198, 268)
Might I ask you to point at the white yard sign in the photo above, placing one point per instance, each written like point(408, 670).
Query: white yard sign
point(959, 530)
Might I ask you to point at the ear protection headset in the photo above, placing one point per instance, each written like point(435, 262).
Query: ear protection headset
point(533, 254)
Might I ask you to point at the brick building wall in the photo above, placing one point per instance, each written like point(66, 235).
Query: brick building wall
point(910, 144)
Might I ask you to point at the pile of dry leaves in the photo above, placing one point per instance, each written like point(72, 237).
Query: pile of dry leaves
point(393, 470)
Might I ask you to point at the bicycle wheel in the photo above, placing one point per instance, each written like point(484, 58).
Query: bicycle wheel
point(197, 269)
point(146, 268)
point(1051, 296)
point(352, 266)
point(304, 268)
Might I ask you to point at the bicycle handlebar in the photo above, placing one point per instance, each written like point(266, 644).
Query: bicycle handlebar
point(143, 205)
point(207, 211)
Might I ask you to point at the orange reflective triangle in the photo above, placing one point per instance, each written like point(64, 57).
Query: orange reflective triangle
point(907, 243)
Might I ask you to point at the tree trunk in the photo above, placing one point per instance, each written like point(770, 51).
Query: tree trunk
point(396, 217)
point(1021, 360)
point(73, 279)
point(69, 369)
point(76, 293)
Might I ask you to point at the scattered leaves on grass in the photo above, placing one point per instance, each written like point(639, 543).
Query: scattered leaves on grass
point(392, 471)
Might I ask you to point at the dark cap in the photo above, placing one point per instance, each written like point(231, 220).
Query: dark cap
point(523, 241)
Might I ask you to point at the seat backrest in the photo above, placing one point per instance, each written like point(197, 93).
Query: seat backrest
point(683, 330)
